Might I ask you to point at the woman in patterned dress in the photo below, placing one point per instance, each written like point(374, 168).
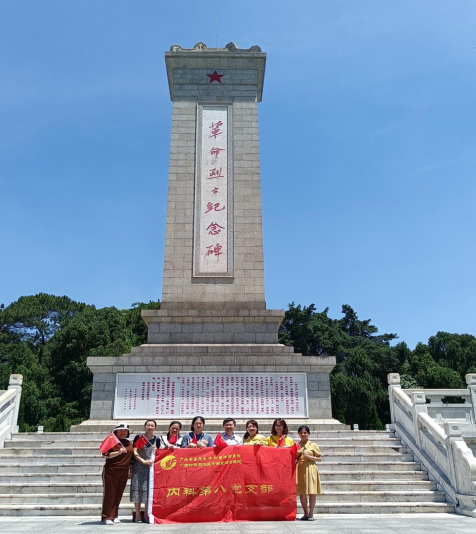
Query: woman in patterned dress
point(144, 445)
point(308, 482)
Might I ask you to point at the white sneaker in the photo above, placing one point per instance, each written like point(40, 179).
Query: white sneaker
point(117, 520)
point(108, 522)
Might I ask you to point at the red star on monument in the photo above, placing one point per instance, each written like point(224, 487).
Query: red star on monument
point(215, 77)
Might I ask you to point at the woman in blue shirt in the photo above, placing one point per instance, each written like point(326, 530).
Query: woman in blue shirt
point(197, 437)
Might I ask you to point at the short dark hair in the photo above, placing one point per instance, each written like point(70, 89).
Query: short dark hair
point(151, 421)
point(304, 427)
point(279, 422)
point(196, 418)
point(229, 420)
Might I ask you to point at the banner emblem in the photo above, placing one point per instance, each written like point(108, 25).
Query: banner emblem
point(169, 462)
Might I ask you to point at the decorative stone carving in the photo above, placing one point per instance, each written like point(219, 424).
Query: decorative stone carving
point(393, 379)
point(231, 47)
point(465, 467)
point(16, 380)
point(471, 379)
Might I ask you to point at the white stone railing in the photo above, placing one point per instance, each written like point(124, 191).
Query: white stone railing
point(9, 407)
point(442, 451)
point(463, 412)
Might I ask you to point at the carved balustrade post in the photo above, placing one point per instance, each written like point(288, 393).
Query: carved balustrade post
point(393, 383)
point(419, 406)
point(471, 382)
point(453, 433)
point(16, 382)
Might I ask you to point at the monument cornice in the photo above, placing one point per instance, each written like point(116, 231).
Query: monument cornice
point(231, 59)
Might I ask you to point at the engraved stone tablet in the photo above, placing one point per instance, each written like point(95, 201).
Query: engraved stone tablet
point(213, 231)
point(211, 395)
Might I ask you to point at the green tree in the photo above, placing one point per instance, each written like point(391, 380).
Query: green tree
point(48, 339)
point(35, 319)
point(364, 359)
point(455, 351)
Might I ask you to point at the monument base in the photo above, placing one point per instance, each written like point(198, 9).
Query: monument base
point(224, 363)
point(210, 323)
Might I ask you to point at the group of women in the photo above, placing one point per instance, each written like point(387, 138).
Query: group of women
point(132, 459)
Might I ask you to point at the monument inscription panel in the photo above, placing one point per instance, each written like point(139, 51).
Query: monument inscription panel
point(213, 236)
point(211, 395)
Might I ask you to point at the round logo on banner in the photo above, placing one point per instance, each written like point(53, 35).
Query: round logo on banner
point(168, 462)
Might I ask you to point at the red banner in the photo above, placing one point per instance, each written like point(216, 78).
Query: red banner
point(234, 483)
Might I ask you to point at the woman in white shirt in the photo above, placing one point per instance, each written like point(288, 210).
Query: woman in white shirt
point(173, 439)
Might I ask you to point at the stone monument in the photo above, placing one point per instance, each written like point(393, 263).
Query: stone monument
point(213, 347)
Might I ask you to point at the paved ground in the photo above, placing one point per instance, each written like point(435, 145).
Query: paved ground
point(342, 524)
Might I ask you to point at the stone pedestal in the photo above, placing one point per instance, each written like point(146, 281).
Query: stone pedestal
point(218, 358)
point(213, 318)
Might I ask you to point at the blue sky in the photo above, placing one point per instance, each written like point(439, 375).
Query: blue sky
point(368, 151)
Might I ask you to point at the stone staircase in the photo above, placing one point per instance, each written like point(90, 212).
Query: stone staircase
point(362, 472)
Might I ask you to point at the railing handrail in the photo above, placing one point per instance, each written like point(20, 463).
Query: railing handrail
point(434, 428)
point(441, 451)
point(9, 408)
point(403, 397)
point(7, 397)
point(442, 392)
point(4, 413)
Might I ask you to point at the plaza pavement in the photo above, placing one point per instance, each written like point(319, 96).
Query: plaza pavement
point(324, 524)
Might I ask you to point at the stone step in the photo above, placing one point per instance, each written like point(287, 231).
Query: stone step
point(51, 487)
point(51, 478)
point(38, 510)
point(88, 477)
point(28, 510)
point(204, 348)
point(93, 452)
point(372, 486)
point(368, 457)
point(94, 444)
point(100, 432)
point(328, 485)
point(52, 460)
point(93, 460)
point(382, 508)
point(332, 476)
point(327, 496)
point(326, 467)
point(100, 435)
point(216, 426)
point(358, 457)
point(362, 472)
point(50, 468)
point(381, 496)
point(53, 449)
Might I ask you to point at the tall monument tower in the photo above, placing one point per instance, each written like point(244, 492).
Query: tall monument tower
point(213, 347)
point(213, 285)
